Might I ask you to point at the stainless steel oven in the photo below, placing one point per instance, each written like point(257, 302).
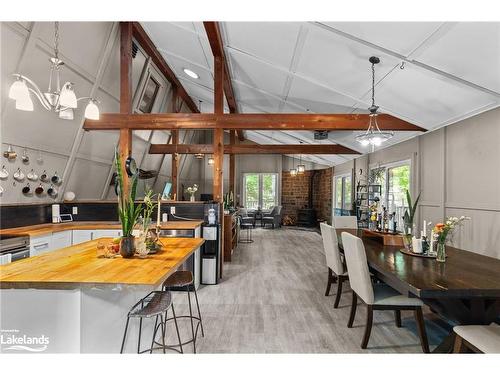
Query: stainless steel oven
point(17, 246)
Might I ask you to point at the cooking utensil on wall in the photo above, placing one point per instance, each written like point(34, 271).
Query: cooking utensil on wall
point(131, 166)
point(39, 190)
point(39, 160)
point(56, 179)
point(4, 173)
point(25, 158)
point(19, 175)
point(26, 190)
point(44, 177)
point(32, 176)
point(10, 154)
point(1, 191)
point(52, 191)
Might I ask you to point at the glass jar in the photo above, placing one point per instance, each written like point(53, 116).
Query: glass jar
point(441, 252)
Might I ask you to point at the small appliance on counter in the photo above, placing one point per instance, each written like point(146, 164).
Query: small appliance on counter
point(56, 213)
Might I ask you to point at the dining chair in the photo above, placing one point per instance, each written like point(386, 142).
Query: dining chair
point(345, 222)
point(376, 296)
point(336, 270)
point(482, 339)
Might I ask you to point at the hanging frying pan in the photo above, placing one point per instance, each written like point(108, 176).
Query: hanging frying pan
point(131, 166)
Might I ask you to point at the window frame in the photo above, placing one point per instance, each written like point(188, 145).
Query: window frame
point(342, 176)
point(260, 188)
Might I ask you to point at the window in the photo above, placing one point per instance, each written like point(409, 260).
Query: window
point(343, 190)
point(149, 96)
point(395, 180)
point(260, 190)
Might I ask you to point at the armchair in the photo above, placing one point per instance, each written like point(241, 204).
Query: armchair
point(273, 218)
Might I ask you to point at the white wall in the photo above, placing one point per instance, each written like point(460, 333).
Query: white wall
point(91, 53)
point(456, 169)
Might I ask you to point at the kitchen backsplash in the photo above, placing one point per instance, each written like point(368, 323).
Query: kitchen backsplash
point(31, 214)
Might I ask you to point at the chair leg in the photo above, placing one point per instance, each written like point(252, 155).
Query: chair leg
point(199, 313)
point(329, 282)
point(397, 318)
point(458, 346)
point(124, 335)
point(340, 280)
point(154, 335)
point(419, 317)
point(163, 322)
point(139, 340)
point(368, 328)
point(191, 317)
point(353, 309)
point(177, 328)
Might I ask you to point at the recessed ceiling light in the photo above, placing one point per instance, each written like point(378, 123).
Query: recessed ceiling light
point(190, 73)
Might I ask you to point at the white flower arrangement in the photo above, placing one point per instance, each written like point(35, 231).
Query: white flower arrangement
point(192, 189)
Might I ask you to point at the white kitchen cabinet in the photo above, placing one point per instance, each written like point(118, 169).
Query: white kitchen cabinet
point(80, 236)
point(40, 244)
point(61, 239)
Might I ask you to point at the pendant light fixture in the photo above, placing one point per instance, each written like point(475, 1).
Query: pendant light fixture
point(293, 171)
point(59, 99)
point(301, 168)
point(198, 156)
point(373, 136)
point(211, 160)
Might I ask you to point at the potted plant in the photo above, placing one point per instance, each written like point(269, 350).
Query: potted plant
point(128, 212)
point(408, 219)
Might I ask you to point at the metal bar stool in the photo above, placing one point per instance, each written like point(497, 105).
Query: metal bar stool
point(154, 305)
point(180, 279)
point(249, 228)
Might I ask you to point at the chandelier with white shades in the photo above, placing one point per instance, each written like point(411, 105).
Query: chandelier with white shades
point(373, 136)
point(57, 99)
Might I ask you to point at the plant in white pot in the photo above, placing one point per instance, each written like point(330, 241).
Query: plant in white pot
point(128, 211)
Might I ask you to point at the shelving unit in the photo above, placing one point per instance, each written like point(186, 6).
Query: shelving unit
point(230, 235)
point(365, 197)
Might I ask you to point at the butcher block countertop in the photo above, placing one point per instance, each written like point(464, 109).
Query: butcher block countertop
point(78, 266)
point(42, 229)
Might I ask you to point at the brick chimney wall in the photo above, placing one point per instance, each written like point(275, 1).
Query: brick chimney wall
point(295, 193)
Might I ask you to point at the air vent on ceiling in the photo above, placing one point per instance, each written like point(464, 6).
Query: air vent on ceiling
point(135, 48)
point(320, 135)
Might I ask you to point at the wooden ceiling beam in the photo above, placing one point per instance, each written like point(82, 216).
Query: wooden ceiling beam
point(215, 39)
point(149, 47)
point(235, 149)
point(247, 121)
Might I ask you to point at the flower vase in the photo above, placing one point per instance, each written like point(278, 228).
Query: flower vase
point(127, 247)
point(192, 198)
point(441, 252)
point(409, 229)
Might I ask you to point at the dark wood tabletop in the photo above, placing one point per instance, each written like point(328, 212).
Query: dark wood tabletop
point(464, 274)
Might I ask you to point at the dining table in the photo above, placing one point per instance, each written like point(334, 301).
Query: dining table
point(463, 290)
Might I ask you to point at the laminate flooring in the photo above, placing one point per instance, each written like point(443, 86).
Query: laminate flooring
point(271, 300)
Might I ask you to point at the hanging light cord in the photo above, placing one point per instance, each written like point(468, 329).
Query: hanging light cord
point(56, 39)
point(373, 85)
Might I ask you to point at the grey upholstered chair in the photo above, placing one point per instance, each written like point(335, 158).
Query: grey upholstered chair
point(484, 339)
point(336, 269)
point(345, 222)
point(245, 217)
point(376, 296)
point(274, 218)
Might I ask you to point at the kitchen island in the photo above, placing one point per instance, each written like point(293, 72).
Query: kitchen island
point(80, 302)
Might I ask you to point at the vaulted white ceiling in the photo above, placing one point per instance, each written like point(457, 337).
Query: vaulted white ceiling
point(431, 74)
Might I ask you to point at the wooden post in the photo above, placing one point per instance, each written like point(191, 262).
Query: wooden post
point(218, 132)
point(232, 165)
point(125, 142)
point(175, 164)
point(174, 135)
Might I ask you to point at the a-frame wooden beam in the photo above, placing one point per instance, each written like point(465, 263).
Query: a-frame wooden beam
point(236, 149)
point(215, 39)
point(218, 139)
point(125, 140)
point(148, 46)
point(247, 121)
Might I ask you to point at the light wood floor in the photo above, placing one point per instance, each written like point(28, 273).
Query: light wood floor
point(272, 300)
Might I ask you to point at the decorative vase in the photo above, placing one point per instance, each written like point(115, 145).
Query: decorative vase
point(409, 229)
point(191, 198)
point(127, 247)
point(441, 252)
point(141, 248)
